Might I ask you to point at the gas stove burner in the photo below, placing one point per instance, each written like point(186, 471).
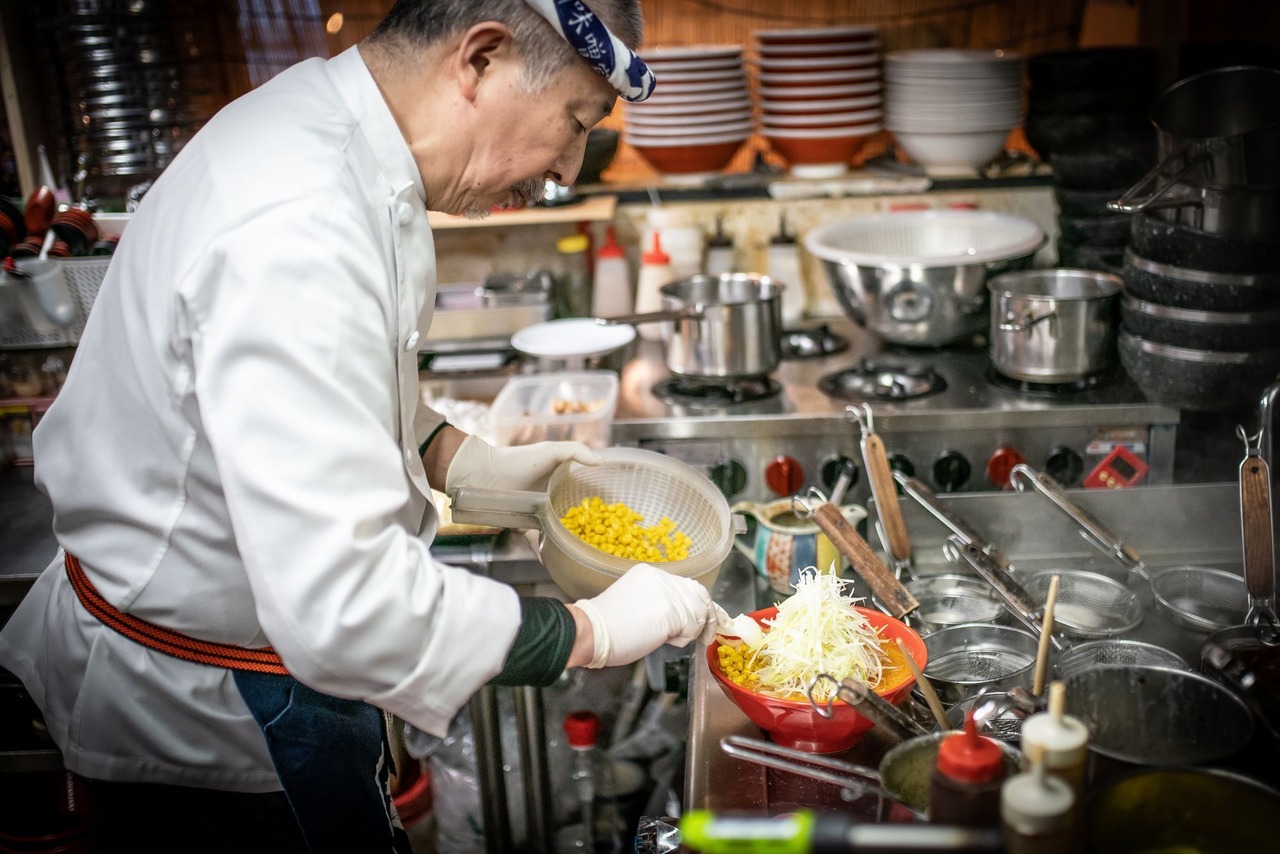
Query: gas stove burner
point(712, 392)
point(876, 379)
point(810, 343)
point(1087, 383)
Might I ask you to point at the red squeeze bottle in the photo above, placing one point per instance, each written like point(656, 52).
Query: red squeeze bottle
point(965, 786)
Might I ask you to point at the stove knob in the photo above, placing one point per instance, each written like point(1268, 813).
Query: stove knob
point(951, 471)
point(1001, 464)
point(729, 476)
point(1065, 466)
point(899, 462)
point(832, 468)
point(784, 475)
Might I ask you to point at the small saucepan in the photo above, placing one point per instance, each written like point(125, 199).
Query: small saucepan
point(718, 326)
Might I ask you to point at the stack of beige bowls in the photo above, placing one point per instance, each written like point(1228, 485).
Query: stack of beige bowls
point(698, 116)
point(951, 110)
point(819, 94)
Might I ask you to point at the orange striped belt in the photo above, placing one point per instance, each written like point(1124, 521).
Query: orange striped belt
point(167, 641)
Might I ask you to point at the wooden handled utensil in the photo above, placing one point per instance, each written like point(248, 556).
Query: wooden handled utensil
point(897, 600)
point(892, 527)
point(1256, 532)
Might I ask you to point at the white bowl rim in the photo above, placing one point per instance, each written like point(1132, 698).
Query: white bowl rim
point(829, 105)
point(848, 76)
point(677, 78)
point(855, 117)
point(768, 64)
point(725, 117)
point(821, 133)
point(690, 51)
point(693, 66)
point(686, 98)
point(810, 91)
point(953, 56)
point(684, 142)
point(731, 127)
point(832, 48)
point(572, 336)
point(681, 108)
point(733, 84)
point(1030, 237)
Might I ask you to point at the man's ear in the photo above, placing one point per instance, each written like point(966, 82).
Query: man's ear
point(479, 49)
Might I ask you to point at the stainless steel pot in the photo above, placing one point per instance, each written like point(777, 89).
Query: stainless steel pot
point(719, 326)
point(1053, 326)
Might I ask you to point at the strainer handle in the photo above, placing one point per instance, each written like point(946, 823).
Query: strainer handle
point(1016, 598)
point(503, 508)
point(1090, 528)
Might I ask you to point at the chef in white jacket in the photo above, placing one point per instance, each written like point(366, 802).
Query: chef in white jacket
point(239, 462)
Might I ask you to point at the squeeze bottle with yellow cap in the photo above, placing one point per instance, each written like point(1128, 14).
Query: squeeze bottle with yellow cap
point(655, 271)
point(573, 278)
point(1061, 739)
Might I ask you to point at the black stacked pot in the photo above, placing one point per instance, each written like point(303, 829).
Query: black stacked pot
point(1200, 319)
point(1086, 118)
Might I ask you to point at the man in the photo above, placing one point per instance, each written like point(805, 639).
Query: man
point(239, 462)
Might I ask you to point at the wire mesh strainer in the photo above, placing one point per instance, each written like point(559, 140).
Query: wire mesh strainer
point(949, 600)
point(1201, 597)
point(1099, 653)
point(966, 658)
point(1089, 605)
point(651, 484)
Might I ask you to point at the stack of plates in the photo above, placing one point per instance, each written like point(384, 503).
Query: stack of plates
point(819, 94)
point(698, 116)
point(952, 110)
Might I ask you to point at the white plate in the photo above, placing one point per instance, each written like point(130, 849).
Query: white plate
point(572, 336)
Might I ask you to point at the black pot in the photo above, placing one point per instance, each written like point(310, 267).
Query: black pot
point(1181, 287)
point(1085, 131)
point(1200, 330)
point(1158, 237)
point(1129, 69)
point(1077, 202)
point(1111, 230)
point(1202, 380)
point(1088, 100)
point(1104, 259)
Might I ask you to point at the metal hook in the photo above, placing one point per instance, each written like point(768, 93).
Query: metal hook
point(823, 708)
point(862, 413)
point(800, 504)
point(1252, 444)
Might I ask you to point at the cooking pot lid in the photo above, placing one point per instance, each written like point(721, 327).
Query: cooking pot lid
point(571, 336)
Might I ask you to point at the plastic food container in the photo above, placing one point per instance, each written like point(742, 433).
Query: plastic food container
point(575, 406)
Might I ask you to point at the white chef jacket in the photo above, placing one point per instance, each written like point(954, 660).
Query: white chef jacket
point(234, 454)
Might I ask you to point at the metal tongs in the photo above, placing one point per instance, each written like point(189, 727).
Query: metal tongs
point(895, 724)
point(897, 600)
point(889, 522)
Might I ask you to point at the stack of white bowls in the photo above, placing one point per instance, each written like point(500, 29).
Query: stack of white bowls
point(951, 110)
point(698, 116)
point(819, 95)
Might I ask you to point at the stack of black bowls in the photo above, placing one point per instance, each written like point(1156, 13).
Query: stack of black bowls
point(1200, 320)
point(1087, 118)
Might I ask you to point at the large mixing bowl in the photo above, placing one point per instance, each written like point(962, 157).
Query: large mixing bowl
point(919, 277)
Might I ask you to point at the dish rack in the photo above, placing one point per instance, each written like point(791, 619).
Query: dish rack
point(27, 325)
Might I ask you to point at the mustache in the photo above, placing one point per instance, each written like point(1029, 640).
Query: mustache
point(533, 189)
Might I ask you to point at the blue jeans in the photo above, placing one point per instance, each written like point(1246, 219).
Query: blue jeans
point(333, 761)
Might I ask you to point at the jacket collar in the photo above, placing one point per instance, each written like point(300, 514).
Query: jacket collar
point(360, 92)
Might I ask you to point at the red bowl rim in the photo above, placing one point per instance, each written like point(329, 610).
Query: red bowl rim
point(713, 662)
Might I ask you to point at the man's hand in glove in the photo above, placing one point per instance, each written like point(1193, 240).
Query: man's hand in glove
point(644, 609)
point(525, 467)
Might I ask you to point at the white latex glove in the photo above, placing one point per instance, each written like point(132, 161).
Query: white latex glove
point(646, 608)
point(523, 467)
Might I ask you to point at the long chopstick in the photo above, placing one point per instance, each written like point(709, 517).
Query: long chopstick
point(1046, 632)
point(926, 687)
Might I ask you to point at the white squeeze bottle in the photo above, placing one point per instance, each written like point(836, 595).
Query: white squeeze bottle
point(784, 267)
point(681, 239)
point(612, 295)
point(655, 271)
point(719, 251)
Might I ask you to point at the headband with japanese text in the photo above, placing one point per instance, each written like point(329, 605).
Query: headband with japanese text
point(606, 53)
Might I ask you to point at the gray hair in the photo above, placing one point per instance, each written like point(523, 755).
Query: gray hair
point(418, 24)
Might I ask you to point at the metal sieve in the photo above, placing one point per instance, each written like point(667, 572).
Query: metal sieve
point(1100, 653)
point(966, 658)
point(997, 713)
point(1089, 605)
point(1200, 597)
point(652, 484)
point(949, 600)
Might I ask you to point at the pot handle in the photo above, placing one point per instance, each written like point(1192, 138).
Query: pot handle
point(1013, 324)
point(504, 508)
point(653, 316)
point(1130, 201)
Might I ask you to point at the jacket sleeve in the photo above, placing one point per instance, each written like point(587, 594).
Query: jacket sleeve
point(542, 645)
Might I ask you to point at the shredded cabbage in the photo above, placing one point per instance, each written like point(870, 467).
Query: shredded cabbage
point(818, 631)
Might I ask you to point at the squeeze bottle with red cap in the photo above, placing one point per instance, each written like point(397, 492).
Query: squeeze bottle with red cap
point(611, 295)
point(965, 786)
point(655, 271)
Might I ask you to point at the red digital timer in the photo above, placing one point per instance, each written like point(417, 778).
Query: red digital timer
point(1122, 467)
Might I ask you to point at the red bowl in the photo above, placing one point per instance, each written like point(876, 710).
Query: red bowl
point(819, 145)
point(795, 723)
point(684, 157)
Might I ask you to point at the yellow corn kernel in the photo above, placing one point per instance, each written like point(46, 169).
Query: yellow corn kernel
point(618, 530)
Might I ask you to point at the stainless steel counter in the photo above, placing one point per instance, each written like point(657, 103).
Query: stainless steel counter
point(1168, 525)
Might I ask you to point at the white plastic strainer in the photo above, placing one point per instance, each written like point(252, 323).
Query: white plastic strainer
point(652, 484)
